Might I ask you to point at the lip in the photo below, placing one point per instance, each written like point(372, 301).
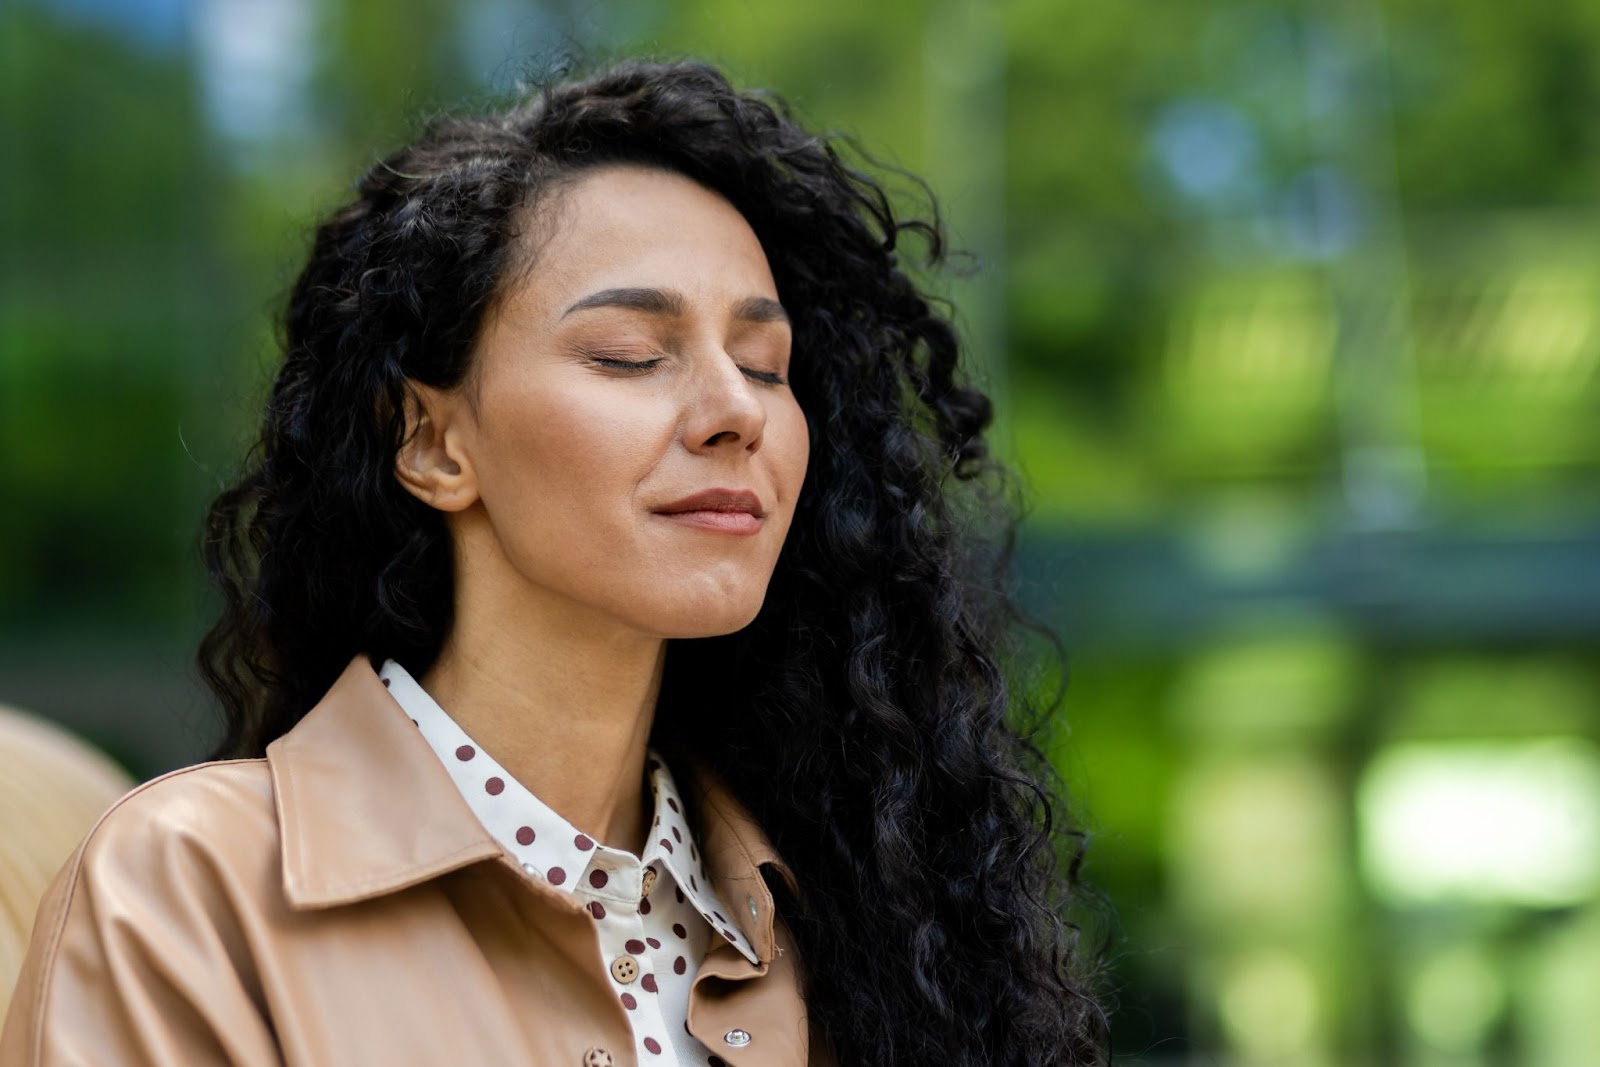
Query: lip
point(719, 500)
point(734, 511)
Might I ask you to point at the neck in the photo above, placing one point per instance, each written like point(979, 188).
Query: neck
point(560, 695)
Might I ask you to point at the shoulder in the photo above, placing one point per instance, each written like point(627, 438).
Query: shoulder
point(152, 907)
point(205, 830)
point(168, 860)
point(216, 808)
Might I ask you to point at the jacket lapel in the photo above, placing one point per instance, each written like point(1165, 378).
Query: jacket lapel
point(364, 806)
point(772, 1011)
point(735, 849)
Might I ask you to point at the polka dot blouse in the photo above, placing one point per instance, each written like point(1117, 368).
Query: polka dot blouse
point(656, 913)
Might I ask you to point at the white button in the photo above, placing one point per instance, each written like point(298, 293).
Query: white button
point(530, 868)
point(752, 907)
point(737, 1038)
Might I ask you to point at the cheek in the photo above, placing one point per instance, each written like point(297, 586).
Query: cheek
point(551, 453)
point(794, 440)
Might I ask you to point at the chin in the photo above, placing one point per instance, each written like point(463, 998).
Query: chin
point(703, 619)
point(724, 623)
point(694, 604)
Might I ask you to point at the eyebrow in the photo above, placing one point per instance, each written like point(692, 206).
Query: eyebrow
point(669, 302)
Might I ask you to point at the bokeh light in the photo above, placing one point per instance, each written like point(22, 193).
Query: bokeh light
point(1507, 822)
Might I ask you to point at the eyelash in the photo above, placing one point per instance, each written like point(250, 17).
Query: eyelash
point(646, 364)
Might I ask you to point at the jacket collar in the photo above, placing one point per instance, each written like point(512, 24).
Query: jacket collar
point(365, 808)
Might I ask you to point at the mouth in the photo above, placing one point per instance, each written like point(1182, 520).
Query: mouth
point(721, 501)
point(734, 511)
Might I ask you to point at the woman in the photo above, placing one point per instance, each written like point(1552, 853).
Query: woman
point(611, 648)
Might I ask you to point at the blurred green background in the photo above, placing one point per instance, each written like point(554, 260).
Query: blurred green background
point(1292, 312)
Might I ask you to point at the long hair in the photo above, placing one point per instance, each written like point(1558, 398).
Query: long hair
point(878, 734)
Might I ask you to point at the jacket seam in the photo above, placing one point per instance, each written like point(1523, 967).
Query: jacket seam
point(44, 985)
point(43, 981)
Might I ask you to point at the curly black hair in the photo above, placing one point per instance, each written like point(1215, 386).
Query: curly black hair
point(880, 736)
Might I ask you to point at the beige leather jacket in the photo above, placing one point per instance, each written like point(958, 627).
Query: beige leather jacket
point(337, 903)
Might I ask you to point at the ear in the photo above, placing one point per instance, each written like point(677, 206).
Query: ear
point(432, 465)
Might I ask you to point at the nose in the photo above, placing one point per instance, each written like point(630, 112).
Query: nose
point(723, 409)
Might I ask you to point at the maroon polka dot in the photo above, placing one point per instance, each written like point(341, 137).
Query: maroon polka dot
point(524, 835)
point(657, 821)
point(719, 914)
point(649, 983)
point(652, 1044)
point(583, 842)
point(634, 945)
point(386, 683)
point(494, 786)
point(556, 875)
point(598, 878)
point(694, 884)
point(597, 909)
point(676, 836)
point(678, 893)
point(666, 844)
point(680, 965)
point(716, 1061)
point(692, 854)
point(644, 907)
point(653, 942)
point(464, 752)
point(417, 724)
point(673, 804)
point(678, 929)
point(628, 1001)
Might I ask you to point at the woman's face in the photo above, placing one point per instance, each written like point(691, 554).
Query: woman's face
point(640, 362)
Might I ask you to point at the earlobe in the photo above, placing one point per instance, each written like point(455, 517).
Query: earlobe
point(430, 464)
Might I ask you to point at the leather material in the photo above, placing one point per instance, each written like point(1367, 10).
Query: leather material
point(337, 903)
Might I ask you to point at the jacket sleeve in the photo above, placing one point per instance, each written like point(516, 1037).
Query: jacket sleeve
point(135, 959)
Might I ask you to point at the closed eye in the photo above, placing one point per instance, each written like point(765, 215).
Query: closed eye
point(767, 377)
point(624, 364)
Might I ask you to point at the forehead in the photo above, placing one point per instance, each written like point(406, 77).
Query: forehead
point(628, 226)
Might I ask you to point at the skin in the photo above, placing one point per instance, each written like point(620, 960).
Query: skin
point(549, 464)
